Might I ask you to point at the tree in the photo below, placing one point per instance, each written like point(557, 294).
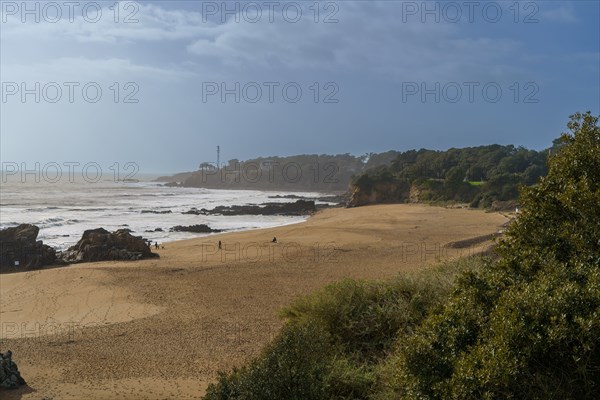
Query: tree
point(455, 176)
point(207, 166)
point(526, 326)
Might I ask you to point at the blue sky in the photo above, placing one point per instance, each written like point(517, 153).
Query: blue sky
point(370, 57)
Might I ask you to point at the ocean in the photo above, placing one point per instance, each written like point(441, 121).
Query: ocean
point(64, 210)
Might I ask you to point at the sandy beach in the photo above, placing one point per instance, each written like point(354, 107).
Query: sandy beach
point(162, 328)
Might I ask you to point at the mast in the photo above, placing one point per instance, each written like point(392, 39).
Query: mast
point(218, 158)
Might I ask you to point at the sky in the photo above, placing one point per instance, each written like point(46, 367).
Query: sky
point(162, 83)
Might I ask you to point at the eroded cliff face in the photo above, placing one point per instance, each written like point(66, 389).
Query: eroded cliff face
point(380, 193)
point(414, 194)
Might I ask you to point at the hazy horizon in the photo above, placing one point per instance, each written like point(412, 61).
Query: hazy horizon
point(67, 167)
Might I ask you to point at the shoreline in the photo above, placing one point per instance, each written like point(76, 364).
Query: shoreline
point(162, 328)
point(62, 223)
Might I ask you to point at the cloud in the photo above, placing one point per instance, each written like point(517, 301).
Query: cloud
point(563, 13)
point(79, 69)
point(369, 39)
point(147, 22)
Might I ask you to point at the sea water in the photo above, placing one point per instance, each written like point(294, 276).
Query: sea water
point(64, 210)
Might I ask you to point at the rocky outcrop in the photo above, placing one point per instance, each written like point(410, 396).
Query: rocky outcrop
point(195, 211)
point(508, 205)
point(173, 184)
point(340, 199)
point(200, 228)
point(287, 196)
point(10, 377)
point(19, 245)
point(379, 193)
point(102, 245)
point(415, 194)
point(300, 207)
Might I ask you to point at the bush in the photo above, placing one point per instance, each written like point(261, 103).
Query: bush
point(293, 367)
point(526, 326)
point(363, 318)
point(334, 339)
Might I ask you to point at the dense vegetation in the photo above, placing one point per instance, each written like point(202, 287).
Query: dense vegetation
point(524, 325)
point(476, 175)
point(307, 172)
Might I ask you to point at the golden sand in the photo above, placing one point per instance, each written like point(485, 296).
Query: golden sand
point(159, 329)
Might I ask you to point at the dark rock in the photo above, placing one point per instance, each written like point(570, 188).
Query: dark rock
point(156, 212)
point(201, 228)
point(10, 377)
point(300, 207)
point(20, 244)
point(339, 199)
point(154, 230)
point(287, 196)
point(173, 184)
point(195, 211)
point(101, 245)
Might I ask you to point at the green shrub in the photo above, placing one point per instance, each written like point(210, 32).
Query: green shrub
point(293, 367)
point(347, 379)
point(364, 318)
point(333, 340)
point(527, 325)
point(540, 341)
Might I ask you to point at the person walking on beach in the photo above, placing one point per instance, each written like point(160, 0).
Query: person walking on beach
point(274, 240)
point(219, 245)
point(156, 245)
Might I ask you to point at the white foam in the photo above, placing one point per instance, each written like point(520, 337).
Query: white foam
point(64, 211)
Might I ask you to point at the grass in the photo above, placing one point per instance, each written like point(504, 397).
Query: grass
point(476, 183)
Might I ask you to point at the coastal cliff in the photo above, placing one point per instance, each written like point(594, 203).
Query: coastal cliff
point(379, 193)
